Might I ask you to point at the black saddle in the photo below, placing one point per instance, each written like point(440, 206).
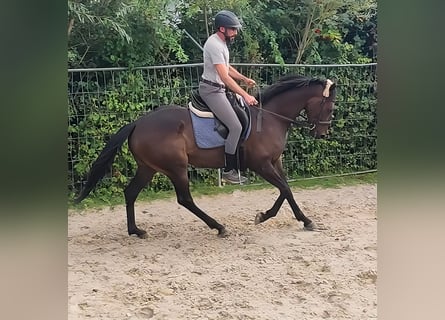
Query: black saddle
point(240, 107)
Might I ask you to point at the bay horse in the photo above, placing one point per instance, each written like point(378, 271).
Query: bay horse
point(163, 141)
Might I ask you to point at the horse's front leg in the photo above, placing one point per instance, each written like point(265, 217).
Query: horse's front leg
point(275, 175)
point(272, 212)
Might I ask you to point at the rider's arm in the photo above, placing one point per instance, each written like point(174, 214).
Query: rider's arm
point(223, 73)
point(238, 76)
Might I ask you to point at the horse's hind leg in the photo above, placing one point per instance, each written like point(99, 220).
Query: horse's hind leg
point(181, 184)
point(141, 179)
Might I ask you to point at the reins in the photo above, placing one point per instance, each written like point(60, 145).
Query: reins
point(301, 124)
point(259, 117)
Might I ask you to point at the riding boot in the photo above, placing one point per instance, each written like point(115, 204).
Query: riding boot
point(231, 171)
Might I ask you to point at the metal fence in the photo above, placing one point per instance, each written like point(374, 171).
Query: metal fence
point(123, 94)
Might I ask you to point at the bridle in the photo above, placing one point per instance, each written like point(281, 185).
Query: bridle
point(302, 124)
point(327, 122)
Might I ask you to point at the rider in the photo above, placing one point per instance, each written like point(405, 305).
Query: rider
point(217, 76)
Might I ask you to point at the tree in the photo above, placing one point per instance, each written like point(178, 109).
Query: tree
point(87, 20)
point(123, 33)
point(110, 33)
point(301, 25)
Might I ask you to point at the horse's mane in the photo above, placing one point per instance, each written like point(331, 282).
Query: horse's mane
point(286, 83)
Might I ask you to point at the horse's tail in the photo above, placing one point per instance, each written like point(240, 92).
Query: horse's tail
point(103, 163)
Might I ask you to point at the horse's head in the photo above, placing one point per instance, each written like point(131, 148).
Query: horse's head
point(292, 93)
point(320, 109)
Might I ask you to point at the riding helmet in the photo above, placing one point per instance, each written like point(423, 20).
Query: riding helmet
point(227, 19)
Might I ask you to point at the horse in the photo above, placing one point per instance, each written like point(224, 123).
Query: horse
point(163, 141)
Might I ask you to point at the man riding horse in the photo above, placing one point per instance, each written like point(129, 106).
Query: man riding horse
point(219, 75)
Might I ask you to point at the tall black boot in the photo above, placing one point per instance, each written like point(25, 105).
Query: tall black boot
point(231, 162)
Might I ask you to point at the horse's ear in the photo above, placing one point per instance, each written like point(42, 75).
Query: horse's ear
point(327, 87)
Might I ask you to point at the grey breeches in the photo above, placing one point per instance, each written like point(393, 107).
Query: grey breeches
point(217, 101)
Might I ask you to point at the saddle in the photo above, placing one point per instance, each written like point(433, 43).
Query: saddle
point(200, 109)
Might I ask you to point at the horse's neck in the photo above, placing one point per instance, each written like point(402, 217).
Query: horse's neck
point(268, 122)
point(287, 105)
point(269, 130)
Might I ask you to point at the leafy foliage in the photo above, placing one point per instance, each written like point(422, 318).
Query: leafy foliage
point(138, 33)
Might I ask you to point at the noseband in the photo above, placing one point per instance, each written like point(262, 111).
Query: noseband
point(328, 122)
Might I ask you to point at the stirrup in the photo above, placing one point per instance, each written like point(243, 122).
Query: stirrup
point(233, 176)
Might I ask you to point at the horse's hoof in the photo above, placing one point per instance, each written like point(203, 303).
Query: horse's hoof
point(143, 235)
point(310, 226)
point(259, 218)
point(222, 233)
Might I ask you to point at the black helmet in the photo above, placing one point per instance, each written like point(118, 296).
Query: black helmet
point(227, 19)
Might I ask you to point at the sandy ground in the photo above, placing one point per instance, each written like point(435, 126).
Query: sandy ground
point(274, 270)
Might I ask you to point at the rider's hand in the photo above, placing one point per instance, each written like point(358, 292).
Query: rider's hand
point(250, 100)
point(250, 82)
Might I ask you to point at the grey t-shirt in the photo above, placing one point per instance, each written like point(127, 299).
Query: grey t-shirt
point(215, 52)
